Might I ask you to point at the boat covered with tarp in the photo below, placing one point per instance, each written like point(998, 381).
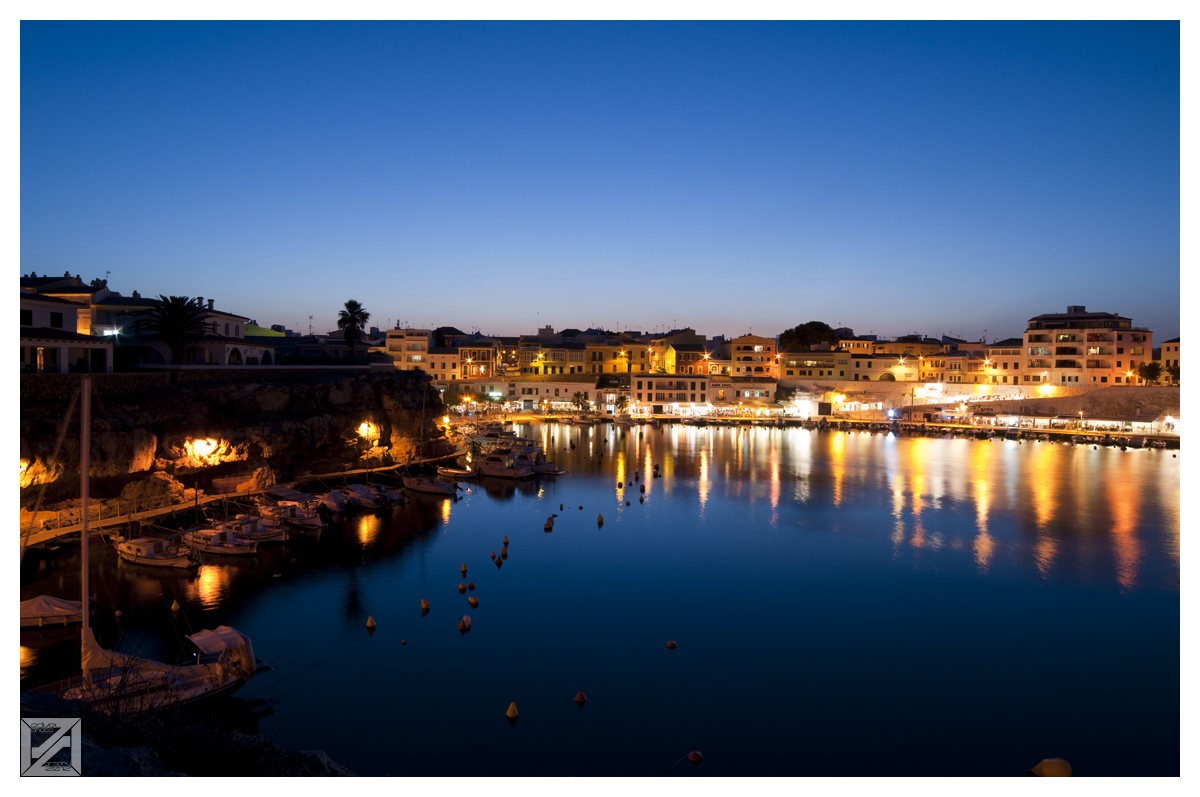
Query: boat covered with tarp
point(47, 610)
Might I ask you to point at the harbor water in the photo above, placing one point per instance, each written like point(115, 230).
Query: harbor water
point(842, 603)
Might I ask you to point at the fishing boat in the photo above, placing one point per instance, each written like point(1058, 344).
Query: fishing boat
point(500, 463)
point(219, 541)
point(535, 459)
point(259, 529)
point(158, 553)
point(424, 484)
point(296, 510)
point(45, 610)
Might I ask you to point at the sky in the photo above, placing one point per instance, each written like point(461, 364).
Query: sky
point(941, 178)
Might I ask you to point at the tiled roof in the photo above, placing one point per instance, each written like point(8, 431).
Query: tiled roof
point(46, 333)
point(26, 296)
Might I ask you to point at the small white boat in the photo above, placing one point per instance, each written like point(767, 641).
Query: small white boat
point(159, 553)
point(45, 610)
point(500, 463)
point(222, 541)
point(302, 517)
point(454, 474)
point(259, 529)
point(535, 459)
point(424, 484)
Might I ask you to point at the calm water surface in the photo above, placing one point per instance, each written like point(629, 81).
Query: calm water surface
point(843, 603)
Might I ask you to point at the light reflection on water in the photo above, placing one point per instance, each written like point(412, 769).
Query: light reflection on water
point(812, 578)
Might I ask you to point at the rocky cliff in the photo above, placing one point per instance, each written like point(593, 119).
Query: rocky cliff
point(253, 428)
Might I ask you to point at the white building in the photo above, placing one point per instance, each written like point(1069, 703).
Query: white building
point(50, 342)
point(409, 349)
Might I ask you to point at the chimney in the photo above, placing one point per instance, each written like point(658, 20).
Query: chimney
point(210, 303)
point(199, 301)
point(137, 295)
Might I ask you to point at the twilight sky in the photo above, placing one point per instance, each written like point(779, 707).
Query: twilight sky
point(894, 177)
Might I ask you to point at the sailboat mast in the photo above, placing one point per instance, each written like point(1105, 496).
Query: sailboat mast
point(85, 445)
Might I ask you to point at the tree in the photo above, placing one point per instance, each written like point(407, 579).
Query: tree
point(1150, 371)
point(177, 320)
point(1173, 370)
point(622, 404)
point(577, 399)
point(351, 321)
point(452, 396)
point(801, 337)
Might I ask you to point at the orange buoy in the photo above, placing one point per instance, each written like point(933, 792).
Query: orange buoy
point(505, 543)
point(424, 604)
point(695, 756)
point(671, 644)
point(471, 586)
point(462, 589)
point(581, 698)
point(581, 508)
point(1051, 768)
point(175, 606)
point(511, 714)
point(620, 485)
point(463, 570)
point(599, 520)
point(473, 601)
point(499, 562)
point(493, 556)
point(370, 622)
point(560, 507)
point(626, 503)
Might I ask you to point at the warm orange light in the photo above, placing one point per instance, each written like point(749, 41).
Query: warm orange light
point(368, 429)
point(838, 398)
point(1046, 390)
point(202, 448)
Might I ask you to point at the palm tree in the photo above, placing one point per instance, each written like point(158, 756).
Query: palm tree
point(577, 399)
point(176, 320)
point(622, 404)
point(351, 321)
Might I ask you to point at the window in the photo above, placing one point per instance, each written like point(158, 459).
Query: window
point(1118, 361)
point(702, 397)
point(237, 330)
point(789, 373)
point(26, 318)
point(639, 399)
point(56, 320)
point(1120, 351)
point(1104, 379)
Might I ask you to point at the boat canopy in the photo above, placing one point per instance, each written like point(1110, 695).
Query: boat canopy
point(288, 494)
point(49, 608)
point(223, 638)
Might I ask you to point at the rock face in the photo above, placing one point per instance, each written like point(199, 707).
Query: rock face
point(251, 432)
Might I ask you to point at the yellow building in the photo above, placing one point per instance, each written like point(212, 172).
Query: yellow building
point(818, 364)
point(754, 355)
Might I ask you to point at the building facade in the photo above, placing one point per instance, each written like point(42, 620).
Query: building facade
point(1080, 348)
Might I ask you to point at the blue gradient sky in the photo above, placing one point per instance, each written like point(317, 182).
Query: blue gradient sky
point(898, 177)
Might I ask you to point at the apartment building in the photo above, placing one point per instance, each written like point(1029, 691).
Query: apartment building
point(1082, 348)
point(821, 362)
point(670, 394)
point(1170, 358)
point(50, 342)
point(409, 348)
point(754, 355)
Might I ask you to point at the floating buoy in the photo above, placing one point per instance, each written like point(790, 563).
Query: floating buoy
point(581, 509)
point(560, 507)
point(466, 620)
point(641, 488)
point(118, 614)
point(493, 556)
point(463, 569)
point(499, 562)
point(511, 714)
point(403, 641)
point(370, 622)
point(599, 520)
point(473, 601)
point(626, 503)
point(505, 543)
point(581, 698)
point(424, 604)
point(503, 553)
point(671, 644)
point(462, 589)
point(175, 606)
point(463, 627)
point(695, 756)
point(641, 499)
point(620, 485)
point(1051, 768)
point(471, 586)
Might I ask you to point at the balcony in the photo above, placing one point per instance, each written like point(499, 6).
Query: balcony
point(1095, 338)
point(1066, 364)
point(1040, 363)
point(1065, 338)
point(1039, 338)
point(1099, 364)
point(1035, 351)
point(1061, 350)
point(1101, 350)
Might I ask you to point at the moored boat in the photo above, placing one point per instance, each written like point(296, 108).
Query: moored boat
point(424, 484)
point(500, 464)
point(259, 529)
point(219, 541)
point(157, 553)
point(45, 610)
